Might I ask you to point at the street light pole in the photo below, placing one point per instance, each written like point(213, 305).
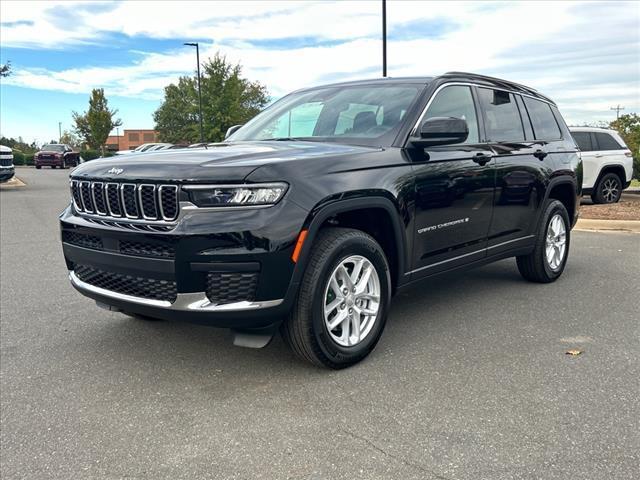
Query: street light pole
point(384, 38)
point(59, 132)
point(195, 44)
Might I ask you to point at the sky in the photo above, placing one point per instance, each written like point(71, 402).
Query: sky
point(584, 55)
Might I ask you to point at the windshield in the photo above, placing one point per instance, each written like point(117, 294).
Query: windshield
point(53, 148)
point(359, 114)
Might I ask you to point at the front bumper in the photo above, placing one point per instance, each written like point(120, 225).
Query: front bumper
point(205, 270)
point(47, 162)
point(6, 173)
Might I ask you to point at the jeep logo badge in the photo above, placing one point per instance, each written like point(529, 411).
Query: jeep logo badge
point(116, 171)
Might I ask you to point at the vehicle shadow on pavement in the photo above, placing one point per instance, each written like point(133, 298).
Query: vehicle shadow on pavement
point(181, 347)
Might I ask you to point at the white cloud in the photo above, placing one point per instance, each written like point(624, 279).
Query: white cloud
point(564, 49)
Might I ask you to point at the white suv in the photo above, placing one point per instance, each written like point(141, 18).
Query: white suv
point(6, 164)
point(607, 163)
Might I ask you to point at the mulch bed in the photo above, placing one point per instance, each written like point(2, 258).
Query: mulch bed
point(628, 208)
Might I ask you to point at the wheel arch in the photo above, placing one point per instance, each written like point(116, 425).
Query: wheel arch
point(358, 213)
point(616, 168)
point(564, 189)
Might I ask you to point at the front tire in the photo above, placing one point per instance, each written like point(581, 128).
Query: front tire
point(549, 257)
point(608, 190)
point(341, 308)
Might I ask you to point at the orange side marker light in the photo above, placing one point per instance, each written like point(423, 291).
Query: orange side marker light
point(299, 243)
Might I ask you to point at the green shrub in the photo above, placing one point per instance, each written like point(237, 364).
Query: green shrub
point(18, 158)
point(28, 159)
point(89, 155)
point(93, 154)
point(636, 167)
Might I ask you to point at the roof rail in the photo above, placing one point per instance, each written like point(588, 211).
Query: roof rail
point(500, 81)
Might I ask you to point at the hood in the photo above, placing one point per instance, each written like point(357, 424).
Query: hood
point(223, 162)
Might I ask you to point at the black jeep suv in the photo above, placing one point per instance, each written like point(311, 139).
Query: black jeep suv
point(312, 215)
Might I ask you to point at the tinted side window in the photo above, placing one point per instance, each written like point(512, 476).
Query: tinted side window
point(503, 122)
point(528, 131)
point(607, 142)
point(583, 139)
point(544, 123)
point(456, 101)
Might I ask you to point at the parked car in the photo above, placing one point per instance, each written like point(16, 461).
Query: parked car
point(7, 169)
point(145, 147)
point(56, 155)
point(160, 146)
point(607, 163)
point(311, 216)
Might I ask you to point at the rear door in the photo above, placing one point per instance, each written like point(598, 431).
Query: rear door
point(609, 151)
point(454, 190)
point(523, 164)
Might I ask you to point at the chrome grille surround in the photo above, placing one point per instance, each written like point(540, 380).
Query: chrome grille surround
point(143, 203)
point(97, 190)
point(168, 195)
point(129, 201)
point(86, 197)
point(113, 200)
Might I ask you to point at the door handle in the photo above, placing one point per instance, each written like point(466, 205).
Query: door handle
point(482, 158)
point(540, 154)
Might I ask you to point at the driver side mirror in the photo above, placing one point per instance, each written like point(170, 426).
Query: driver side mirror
point(231, 131)
point(441, 131)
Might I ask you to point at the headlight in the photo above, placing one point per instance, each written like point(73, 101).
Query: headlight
point(236, 195)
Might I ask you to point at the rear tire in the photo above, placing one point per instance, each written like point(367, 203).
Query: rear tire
point(353, 264)
point(608, 190)
point(549, 257)
point(38, 167)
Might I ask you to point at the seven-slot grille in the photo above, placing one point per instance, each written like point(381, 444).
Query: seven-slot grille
point(126, 200)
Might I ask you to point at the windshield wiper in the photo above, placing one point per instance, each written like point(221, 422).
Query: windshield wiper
point(281, 139)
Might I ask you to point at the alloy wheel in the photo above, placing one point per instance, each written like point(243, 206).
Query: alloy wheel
point(610, 189)
point(352, 301)
point(556, 242)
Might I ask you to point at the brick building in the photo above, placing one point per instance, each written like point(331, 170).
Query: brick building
point(131, 139)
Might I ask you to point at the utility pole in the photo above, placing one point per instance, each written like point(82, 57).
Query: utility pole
point(59, 132)
point(195, 44)
point(384, 38)
point(617, 109)
point(118, 136)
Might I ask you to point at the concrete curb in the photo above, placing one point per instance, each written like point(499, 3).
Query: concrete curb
point(589, 225)
point(15, 182)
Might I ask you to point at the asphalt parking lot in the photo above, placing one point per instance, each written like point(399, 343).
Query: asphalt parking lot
point(469, 381)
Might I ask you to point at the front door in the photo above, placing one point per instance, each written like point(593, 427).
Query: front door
point(454, 191)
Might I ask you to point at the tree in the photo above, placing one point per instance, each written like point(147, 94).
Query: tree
point(94, 125)
point(227, 99)
point(19, 144)
point(5, 70)
point(628, 126)
point(69, 138)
